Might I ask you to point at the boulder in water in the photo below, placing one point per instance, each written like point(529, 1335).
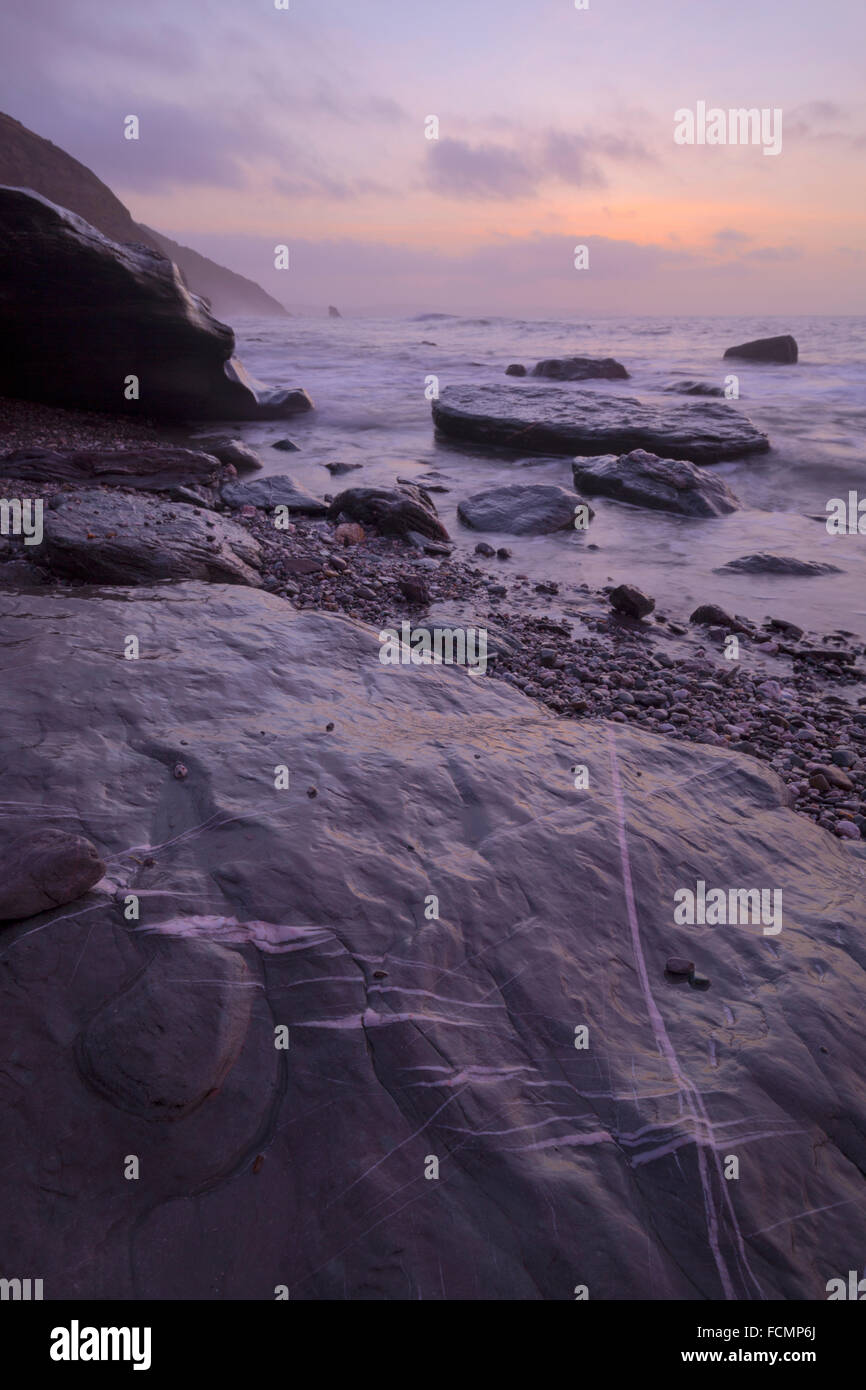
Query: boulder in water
point(765, 563)
point(781, 349)
point(580, 369)
point(522, 509)
point(645, 480)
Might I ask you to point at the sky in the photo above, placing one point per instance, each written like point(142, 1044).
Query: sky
point(308, 127)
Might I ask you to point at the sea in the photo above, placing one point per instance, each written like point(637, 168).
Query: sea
point(369, 380)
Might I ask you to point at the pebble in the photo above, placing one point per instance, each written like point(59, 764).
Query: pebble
point(679, 965)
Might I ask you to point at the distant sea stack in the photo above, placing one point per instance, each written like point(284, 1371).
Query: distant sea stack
point(333, 313)
point(29, 161)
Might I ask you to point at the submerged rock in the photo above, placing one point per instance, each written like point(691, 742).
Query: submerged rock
point(94, 324)
point(43, 869)
point(515, 369)
point(645, 480)
point(522, 509)
point(780, 349)
point(694, 388)
point(580, 369)
point(277, 489)
point(126, 538)
point(539, 419)
point(779, 564)
point(554, 912)
point(393, 511)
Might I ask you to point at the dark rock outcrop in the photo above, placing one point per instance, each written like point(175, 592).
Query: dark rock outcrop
point(278, 489)
point(333, 313)
point(521, 509)
point(83, 316)
point(781, 349)
point(669, 485)
point(515, 369)
point(140, 466)
point(43, 869)
point(779, 564)
point(580, 369)
point(126, 538)
point(29, 161)
point(406, 1037)
point(393, 511)
point(631, 601)
point(552, 420)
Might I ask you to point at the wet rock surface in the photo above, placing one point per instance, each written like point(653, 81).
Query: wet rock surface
point(535, 419)
point(645, 480)
point(413, 1036)
point(393, 511)
point(114, 537)
point(521, 509)
point(278, 489)
point(45, 868)
point(151, 467)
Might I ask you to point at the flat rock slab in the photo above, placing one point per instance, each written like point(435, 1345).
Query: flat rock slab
point(276, 490)
point(521, 509)
point(408, 1035)
point(643, 479)
point(146, 466)
point(580, 369)
point(537, 419)
point(780, 349)
point(126, 538)
point(779, 564)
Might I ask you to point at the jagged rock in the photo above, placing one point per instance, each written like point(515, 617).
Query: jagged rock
point(43, 869)
point(277, 489)
point(779, 564)
point(780, 349)
point(149, 466)
point(393, 511)
point(515, 369)
point(82, 315)
point(408, 1036)
point(333, 313)
point(547, 419)
point(580, 369)
point(126, 538)
point(522, 509)
point(645, 480)
point(631, 601)
point(694, 388)
point(336, 468)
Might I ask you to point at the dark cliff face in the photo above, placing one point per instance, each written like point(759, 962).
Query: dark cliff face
point(29, 161)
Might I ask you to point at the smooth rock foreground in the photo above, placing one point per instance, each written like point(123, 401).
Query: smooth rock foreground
point(561, 420)
point(410, 1037)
